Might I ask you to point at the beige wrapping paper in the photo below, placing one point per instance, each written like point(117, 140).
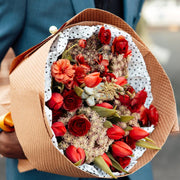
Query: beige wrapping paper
point(27, 101)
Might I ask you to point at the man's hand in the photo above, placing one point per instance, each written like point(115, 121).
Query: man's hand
point(10, 147)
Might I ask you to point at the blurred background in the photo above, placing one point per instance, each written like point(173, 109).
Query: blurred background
point(159, 27)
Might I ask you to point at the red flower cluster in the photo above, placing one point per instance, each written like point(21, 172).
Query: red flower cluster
point(135, 103)
point(79, 125)
point(104, 35)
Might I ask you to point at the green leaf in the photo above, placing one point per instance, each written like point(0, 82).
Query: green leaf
point(114, 119)
point(99, 161)
point(146, 144)
point(128, 128)
point(78, 91)
point(104, 112)
point(115, 164)
point(149, 139)
point(107, 124)
point(78, 163)
point(126, 118)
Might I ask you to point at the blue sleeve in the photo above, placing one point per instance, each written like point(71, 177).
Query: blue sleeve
point(11, 22)
point(132, 11)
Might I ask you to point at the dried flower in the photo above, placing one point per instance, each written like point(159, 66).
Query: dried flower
point(104, 35)
point(115, 132)
point(108, 76)
point(75, 154)
point(79, 125)
point(71, 101)
point(62, 71)
point(59, 129)
point(121, 149)
point(138, 133)
point(92, 79)
point(55, 102)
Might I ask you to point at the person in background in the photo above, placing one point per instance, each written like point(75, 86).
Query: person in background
point(25, 23)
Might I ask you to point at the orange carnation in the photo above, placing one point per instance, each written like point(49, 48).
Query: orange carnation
point(62, 71)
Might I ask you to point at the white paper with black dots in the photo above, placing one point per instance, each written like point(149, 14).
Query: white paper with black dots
point(138, 78)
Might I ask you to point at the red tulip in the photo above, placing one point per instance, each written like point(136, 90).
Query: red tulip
point(121, 81)
point(121, 149)
point(115, 132)
point(138, 133)
point(92, 79)
point(75, 154)
point(55, 102)
point(82, 43)
point(59, 129)
point(106, 159)
point(105, 105)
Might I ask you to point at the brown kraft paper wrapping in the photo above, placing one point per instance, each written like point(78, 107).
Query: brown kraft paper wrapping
point(27, 101)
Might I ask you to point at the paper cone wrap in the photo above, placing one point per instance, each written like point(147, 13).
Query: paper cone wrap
point(27, 101)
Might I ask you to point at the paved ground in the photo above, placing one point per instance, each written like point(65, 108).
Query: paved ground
point(166, 165)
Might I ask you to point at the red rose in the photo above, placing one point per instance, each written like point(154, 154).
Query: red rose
point(59, 129)
point(138, 101)
point(79, 125)
point(104, 35)
point(120, 45)
point(55, 102)
point(71, 101)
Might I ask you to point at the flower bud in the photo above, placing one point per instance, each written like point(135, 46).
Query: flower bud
point(121, 149)
point(59, 129)
point(106, 159)
point(105, 105)
point(75, 154)
point(138, 133)
point(92, 79)
point(55, 102)
point(115, 132)
point(82, 43)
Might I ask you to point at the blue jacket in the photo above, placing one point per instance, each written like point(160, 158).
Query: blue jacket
point(24, 23)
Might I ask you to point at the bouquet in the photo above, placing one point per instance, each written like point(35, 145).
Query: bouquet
point(90, 100)
point(96, 113)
